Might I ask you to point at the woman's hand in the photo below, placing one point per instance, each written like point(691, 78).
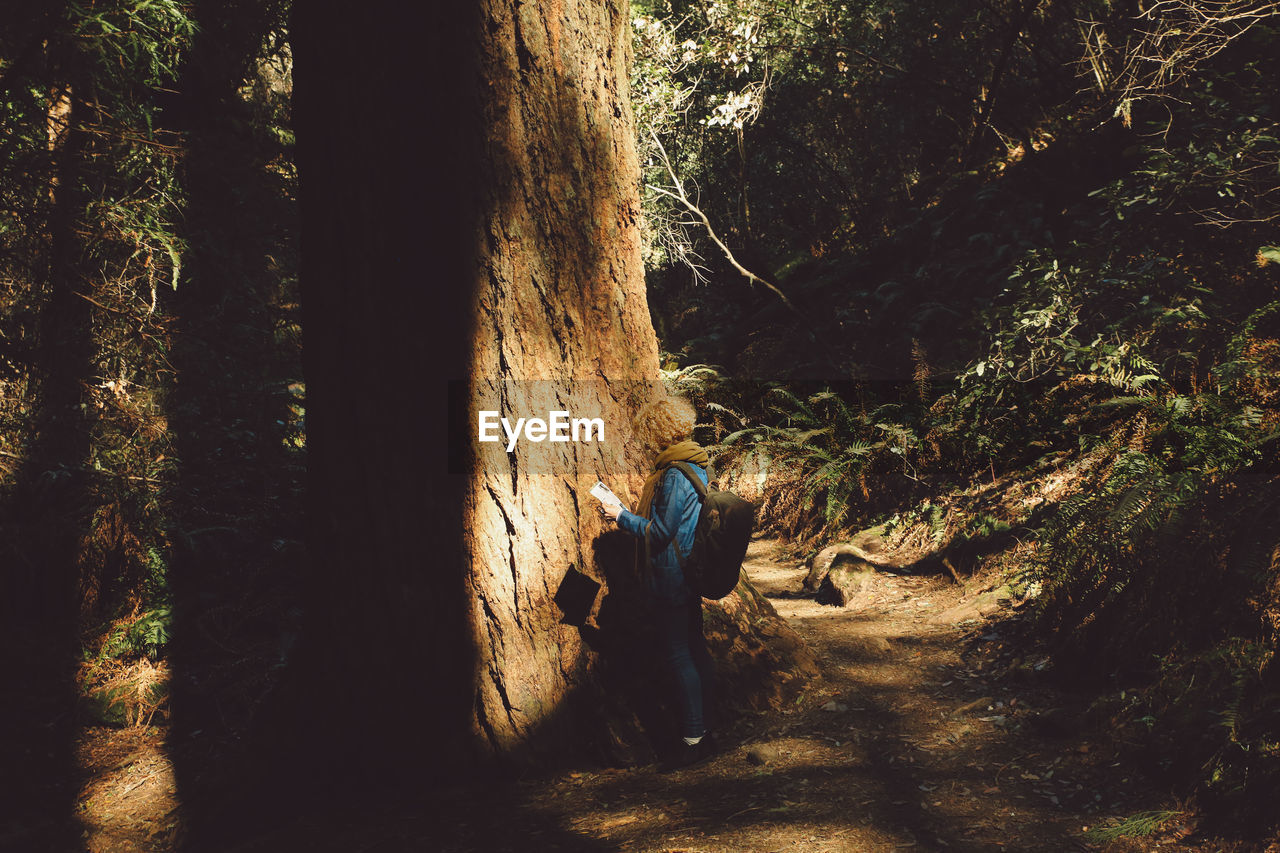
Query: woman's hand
point(611, 510)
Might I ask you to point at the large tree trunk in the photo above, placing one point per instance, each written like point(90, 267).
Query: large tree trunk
point(505, 257)
point(561, 324)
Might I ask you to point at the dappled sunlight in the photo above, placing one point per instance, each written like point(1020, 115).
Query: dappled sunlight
point(907, 742)
point(129, 799)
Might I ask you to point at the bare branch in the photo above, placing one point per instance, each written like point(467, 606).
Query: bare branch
point(1177, 37)
point(677, 193)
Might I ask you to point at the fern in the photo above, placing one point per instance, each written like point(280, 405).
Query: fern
point(725, 410)
point(1139, 825)
point(1119, 535)
point(147, 636)
point(826, 443)
point(749, 432)
point(797, 411)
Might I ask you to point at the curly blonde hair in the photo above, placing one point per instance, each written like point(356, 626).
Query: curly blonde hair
point(665, 420)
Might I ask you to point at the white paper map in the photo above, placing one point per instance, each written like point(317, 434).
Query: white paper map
point(605, 496)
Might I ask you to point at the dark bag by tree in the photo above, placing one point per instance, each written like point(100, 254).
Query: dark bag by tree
point(719, 541)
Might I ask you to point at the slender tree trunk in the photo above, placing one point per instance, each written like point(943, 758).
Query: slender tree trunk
point(44, 515)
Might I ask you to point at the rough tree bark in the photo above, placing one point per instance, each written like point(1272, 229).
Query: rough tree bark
point(470, 205)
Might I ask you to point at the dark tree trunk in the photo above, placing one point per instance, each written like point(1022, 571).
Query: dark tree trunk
point(388, 131)
point(470, 213)
point(45, 511)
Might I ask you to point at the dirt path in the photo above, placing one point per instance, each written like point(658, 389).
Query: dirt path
point(907, 747)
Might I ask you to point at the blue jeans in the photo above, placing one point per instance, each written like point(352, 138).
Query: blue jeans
point(688, 662)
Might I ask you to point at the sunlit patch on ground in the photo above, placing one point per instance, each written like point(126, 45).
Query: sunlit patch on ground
point(130, 801)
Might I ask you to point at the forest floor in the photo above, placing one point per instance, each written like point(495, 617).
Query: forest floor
point(909, 743)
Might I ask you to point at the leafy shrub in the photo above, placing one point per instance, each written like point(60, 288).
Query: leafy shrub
point(832, 450)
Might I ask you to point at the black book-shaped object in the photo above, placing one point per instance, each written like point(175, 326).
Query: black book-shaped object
point(576, 595)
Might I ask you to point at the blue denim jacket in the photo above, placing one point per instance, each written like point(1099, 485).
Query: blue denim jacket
point(673, 517)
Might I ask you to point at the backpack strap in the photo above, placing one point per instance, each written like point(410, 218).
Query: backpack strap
point(698, 486)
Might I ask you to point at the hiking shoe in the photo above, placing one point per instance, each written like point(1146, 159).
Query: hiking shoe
point(687, 756)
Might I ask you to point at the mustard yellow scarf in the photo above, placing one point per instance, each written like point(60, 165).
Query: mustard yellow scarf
point(684, 451)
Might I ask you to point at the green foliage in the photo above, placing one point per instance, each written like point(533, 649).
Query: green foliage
point(142, 41)
point(131, 48)
point(1140, 825)
point(97, 169)
point(157, 572)
point(128, 51)
point(145, 636)
point(1124, 529)
point(1032, 278)
point(830, 445)
point(936, 518)
point(94, 178)
point(868, 107)
point(984, 525)
point(1214, 160)
point(659, 98)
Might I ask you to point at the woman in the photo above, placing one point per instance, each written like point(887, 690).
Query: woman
point(664, 521)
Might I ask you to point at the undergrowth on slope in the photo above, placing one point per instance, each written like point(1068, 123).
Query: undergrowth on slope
point(1137, 347)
